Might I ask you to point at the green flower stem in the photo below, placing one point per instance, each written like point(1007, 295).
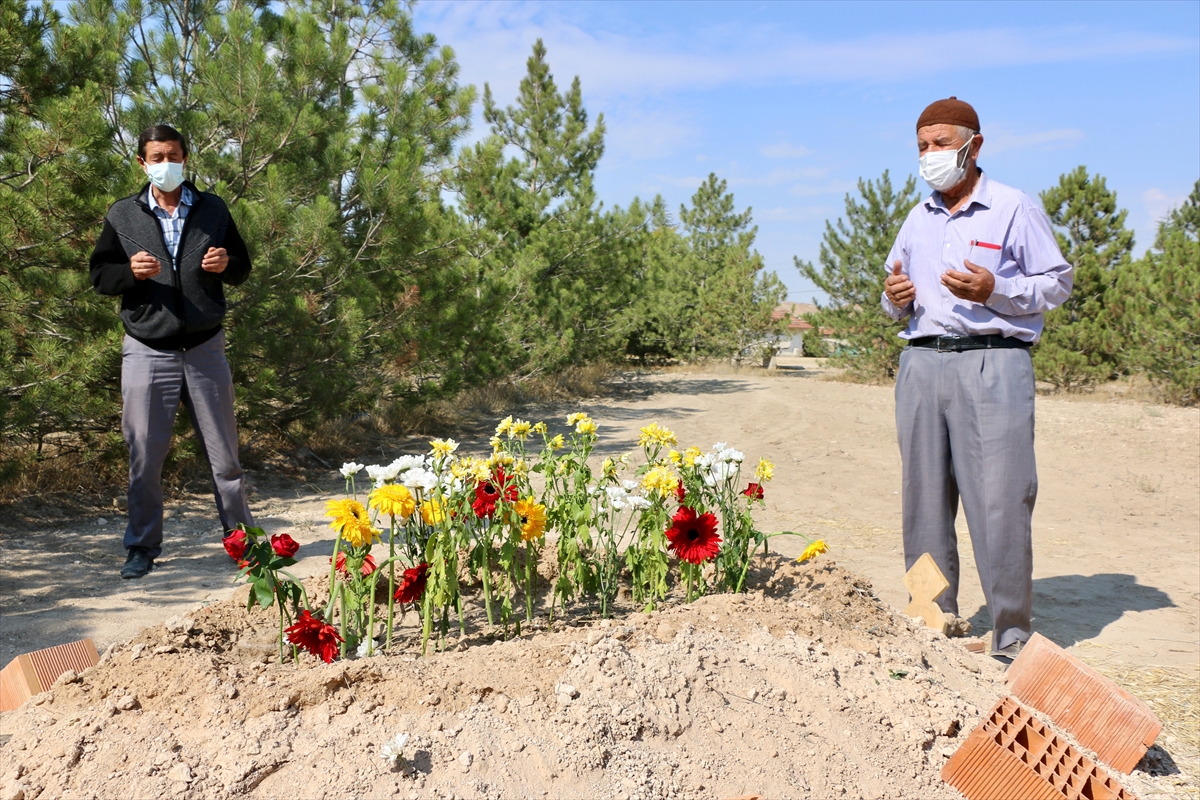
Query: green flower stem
point(372, 582)
point(391, 580)
point(342, 595)
point(487, 582)
point(746, 566)
point(337, 544)
point(529, 573)
point(293, 579)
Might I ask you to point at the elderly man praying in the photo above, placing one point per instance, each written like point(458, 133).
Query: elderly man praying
point(974, 269)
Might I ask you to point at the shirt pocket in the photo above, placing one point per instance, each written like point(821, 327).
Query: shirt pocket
point(985, 254)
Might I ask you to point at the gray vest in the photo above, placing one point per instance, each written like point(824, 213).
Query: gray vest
point(182, 297)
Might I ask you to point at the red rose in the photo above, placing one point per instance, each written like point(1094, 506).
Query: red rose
point(693, 538)
point(315, 636)
point(235, 544)
point(754, 491)
point(284, 546)
point(412, 586)
point(680, 492)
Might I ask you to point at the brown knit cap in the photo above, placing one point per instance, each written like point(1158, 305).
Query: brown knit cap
point(951, 111)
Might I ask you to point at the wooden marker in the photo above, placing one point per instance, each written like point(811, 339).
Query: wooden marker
point(925, 583)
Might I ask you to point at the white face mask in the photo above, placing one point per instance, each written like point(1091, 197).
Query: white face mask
point(165, 175)
point(944, 169)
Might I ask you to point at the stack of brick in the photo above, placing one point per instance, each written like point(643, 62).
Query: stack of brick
point(1012, 754)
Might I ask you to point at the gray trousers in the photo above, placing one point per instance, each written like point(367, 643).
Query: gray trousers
point(965, 426)
point(152, 384)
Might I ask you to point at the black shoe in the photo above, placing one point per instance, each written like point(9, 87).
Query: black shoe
point(137, 564)
point(1005, 655)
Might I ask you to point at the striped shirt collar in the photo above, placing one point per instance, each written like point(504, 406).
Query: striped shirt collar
point(982, 196)
point(185, 199)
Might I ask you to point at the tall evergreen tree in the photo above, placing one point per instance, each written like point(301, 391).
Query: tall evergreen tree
point(555, 271)
point(1155, 301)
point(1080, 343)
point(853, 260)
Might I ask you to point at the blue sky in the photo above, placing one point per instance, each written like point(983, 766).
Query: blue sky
point(792, 102)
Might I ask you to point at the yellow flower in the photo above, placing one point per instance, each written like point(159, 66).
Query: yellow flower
point(765, 471)
point(505, 425)
point(520, 467)
point(655, 434)
point(674, 457)
point(609, 468)
point(443, 447)
point(561, 469)
point(690, 455)
point(350, 519)
point(496, 444)
point(520, 429)
point(660, 479)
point(813, 550)
point(586, 427)
point(576, 417)
point(533, 518)
point(540, 429)
point(433, 511)
point(394, 500)
point(499, 460)
point(558, 442)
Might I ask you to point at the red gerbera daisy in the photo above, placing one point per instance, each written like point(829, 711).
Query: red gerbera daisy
point(693, 538)
point(680, 492)
point(368, 565)
point(315, 636)
point(754, 491)
point(412, 585)
point(490, 492)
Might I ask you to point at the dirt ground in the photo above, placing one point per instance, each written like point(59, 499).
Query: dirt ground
point(1116, 581)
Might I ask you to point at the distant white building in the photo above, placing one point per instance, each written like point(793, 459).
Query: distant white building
point(791, 344)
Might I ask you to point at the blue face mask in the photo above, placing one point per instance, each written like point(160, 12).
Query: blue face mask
point(165, 175)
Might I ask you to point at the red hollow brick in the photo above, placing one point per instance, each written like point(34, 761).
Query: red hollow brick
point(34, 673)
point(1101, 715)
point(1012, 755)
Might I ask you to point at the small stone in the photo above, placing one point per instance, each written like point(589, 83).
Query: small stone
point(70, 676)
point(500, 704)
point(181, 773)
point(102, 521)
point(136, 651)
point(566, 689)
point(231, 692)
point(127, 703)
point(947, 752)
point(466, 758)
point(179, 624)
point(164, 649)
point(431, 700)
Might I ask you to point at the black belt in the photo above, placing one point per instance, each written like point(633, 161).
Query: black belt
point(956, 344)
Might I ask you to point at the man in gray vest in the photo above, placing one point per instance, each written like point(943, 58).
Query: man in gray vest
point(167, 252)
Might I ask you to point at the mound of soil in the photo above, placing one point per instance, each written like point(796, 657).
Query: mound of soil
point(805, 687)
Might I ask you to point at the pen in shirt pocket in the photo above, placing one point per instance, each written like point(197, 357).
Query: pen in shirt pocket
point(985, 254)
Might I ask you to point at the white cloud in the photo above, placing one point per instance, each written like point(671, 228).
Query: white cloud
point(784, 150)
point(1003, 140)
point(797, 213)
point(492, 40)
point(1158, 204)
point(829, 187)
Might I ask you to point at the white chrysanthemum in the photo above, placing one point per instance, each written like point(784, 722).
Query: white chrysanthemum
point(419, 478)
point(639, 503)
point(366, 648)
point(350, 468)
point(377, 474)
point(705, 461)
point(394, 750)
point(723, 471)
point(732, 456)
point(629, 485)
point(719, 446)
point(405, 463)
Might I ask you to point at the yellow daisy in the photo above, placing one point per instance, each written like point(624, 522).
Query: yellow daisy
point(540, 429)
point(690, 455)
point(433, 511)
point(765, 470)
point(350, 519)
point(660, 479)
point(674, 457)
point(558, 442)
point(576, 418)
point(505, 425)
point(443, 447)
point(533, 518)
point(520, 429)
point(586, 427)
point(394, 500)
point(655, 434)
point(813, 550)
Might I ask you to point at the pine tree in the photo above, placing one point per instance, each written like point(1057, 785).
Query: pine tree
point(555, 272)
point(1156, 302)
point(853, 260)
point(1080, 343)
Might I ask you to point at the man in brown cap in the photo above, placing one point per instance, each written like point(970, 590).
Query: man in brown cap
point(974, 269)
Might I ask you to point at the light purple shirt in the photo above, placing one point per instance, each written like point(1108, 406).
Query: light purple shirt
point(1031, 274)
